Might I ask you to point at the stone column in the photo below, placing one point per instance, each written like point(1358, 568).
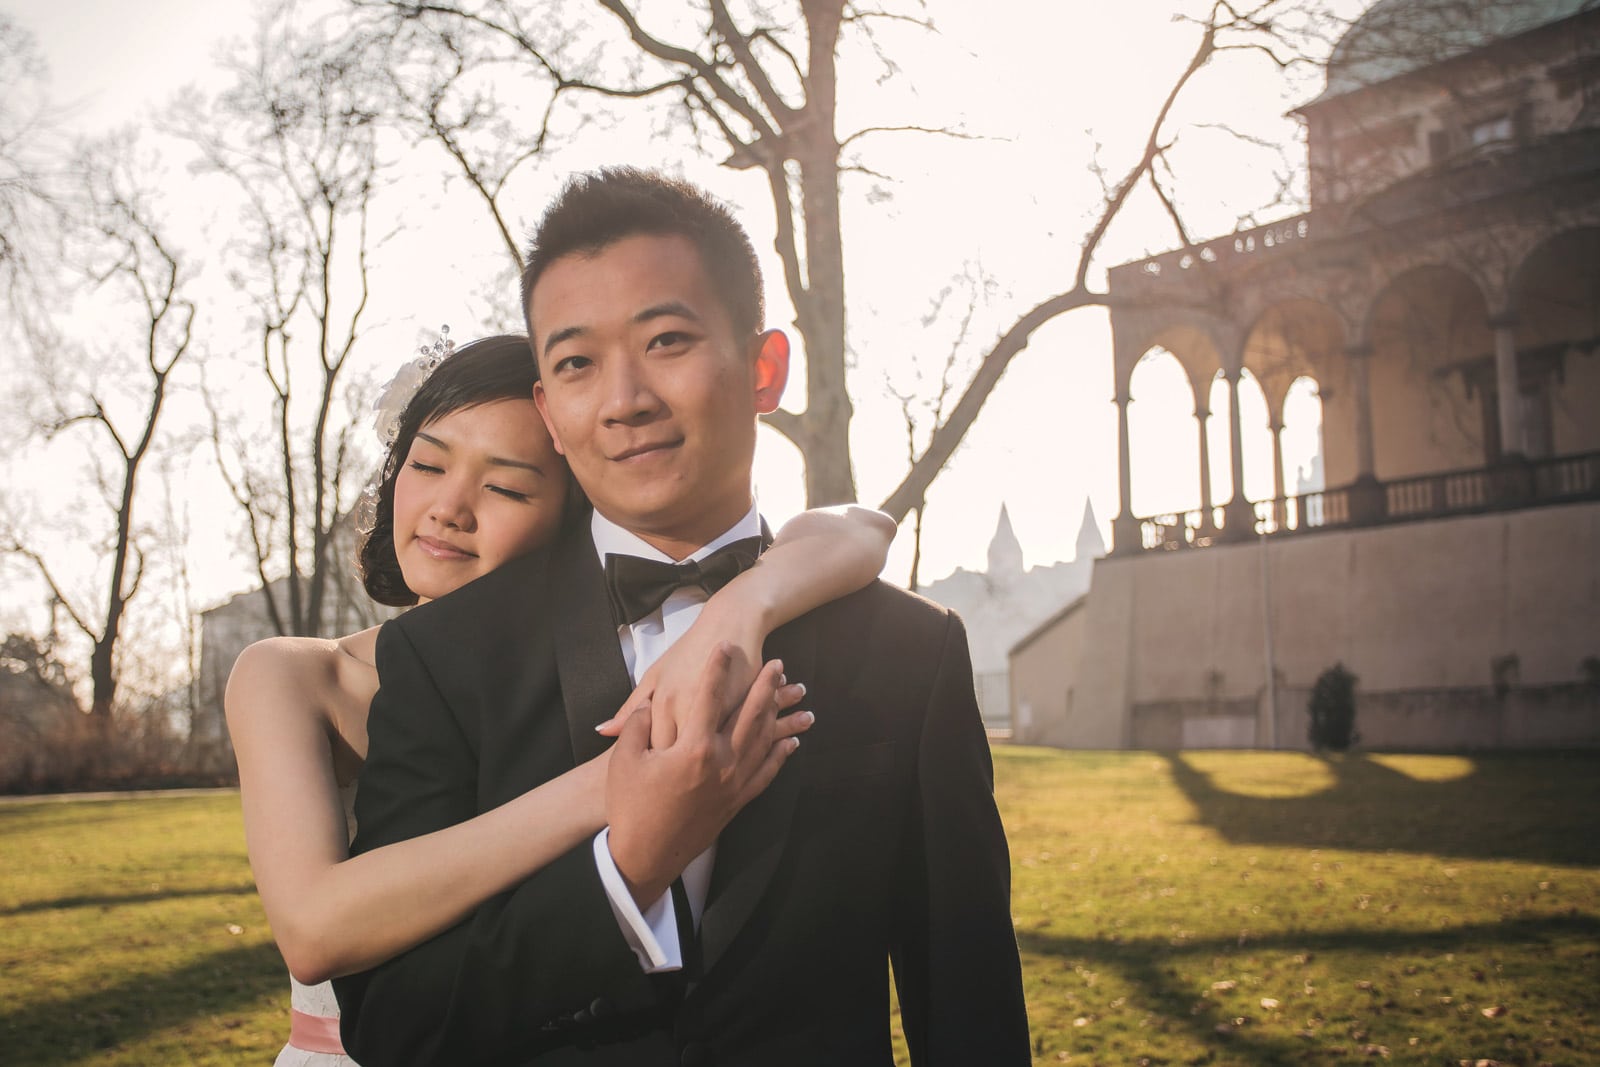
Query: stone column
point(1358, 356)
point(1280, 508)
point(1508, 384)
point(1202, 412)
point(1367, 500)
point(1239, 518)
point(1125, 527)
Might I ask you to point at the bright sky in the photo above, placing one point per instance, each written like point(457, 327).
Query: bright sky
point(1040, 83)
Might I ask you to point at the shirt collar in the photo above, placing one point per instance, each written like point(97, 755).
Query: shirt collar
point(611, 539)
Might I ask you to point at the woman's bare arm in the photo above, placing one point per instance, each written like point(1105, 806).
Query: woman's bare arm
point(816, 557)
point(334, 914)
point(331, 913)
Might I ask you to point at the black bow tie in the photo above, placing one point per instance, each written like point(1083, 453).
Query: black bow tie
point(636, 587)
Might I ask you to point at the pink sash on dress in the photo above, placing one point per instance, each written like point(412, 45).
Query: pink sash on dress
point(314, 1033)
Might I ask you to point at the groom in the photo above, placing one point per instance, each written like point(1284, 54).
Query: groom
point(677, 936)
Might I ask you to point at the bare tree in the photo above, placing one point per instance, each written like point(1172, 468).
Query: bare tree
point(920, 404)
point(764, 84)
point(297, 137)
point(133, 270)
point(28, 204)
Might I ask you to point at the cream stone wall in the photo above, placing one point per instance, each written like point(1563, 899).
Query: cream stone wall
point(1425, 608)
point(1036, 672)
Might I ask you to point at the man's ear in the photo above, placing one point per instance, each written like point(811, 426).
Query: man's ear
point(543, 403)
point(772, 369)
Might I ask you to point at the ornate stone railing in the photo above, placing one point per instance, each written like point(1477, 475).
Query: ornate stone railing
point(1244, 243)
point(1504, 487)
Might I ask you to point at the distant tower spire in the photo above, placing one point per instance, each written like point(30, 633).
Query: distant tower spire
point(1090, 544)
point(1005, 551)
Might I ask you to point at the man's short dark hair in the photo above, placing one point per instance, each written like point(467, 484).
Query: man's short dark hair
point(599, 208)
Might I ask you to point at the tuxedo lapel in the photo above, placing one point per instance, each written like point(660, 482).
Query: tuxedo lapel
point(594, 677)
point(749, 848)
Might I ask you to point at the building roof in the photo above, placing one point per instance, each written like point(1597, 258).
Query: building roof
point(1045, 627)
point(1396, 37)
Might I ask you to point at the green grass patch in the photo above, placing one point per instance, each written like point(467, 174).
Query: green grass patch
point(1277, 908)
point(1225, 908)
point(130, 933)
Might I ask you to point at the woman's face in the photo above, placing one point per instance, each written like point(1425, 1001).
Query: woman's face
point(480, 486)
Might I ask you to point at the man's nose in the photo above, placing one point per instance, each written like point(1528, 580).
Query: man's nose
point(628, 397)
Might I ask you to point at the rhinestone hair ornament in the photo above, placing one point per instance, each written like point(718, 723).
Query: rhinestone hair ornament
point(391, 403)
point(390, 406)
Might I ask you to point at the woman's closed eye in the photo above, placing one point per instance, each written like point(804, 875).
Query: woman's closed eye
point(424, 468)
point(511, 494)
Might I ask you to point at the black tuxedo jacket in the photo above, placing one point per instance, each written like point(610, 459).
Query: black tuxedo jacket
point(878, 840)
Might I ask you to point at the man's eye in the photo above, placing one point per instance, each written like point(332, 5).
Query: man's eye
point(670, 339)
point(568, 364)
point(418, 465)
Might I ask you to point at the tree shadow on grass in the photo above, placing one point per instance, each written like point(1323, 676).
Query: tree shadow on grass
point(64, 1031)
point(1536, 807)
point(117, 900)
point(1147, 964)
point(67, 815)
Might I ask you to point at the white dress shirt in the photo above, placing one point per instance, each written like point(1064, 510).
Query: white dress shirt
point(652, 932)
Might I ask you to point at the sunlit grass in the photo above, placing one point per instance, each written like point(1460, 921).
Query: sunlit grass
point(130, 933)
point(1207, 908)
point(1225, 908)
point(1426, 768)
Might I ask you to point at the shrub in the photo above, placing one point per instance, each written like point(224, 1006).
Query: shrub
point(1333, 710)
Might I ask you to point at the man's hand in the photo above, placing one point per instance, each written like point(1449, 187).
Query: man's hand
point(667, 805)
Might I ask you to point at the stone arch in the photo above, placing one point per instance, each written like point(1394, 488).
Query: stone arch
point(1302, 451)
point(1555, 313)
point(1430, 365)
point(1201, 343)
point(1293, 339)
point(1255, 438)
point(1162, 438)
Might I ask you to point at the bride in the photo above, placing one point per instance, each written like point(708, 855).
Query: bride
point(472, 480)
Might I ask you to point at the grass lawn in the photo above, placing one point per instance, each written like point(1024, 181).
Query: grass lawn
point(1226, 908)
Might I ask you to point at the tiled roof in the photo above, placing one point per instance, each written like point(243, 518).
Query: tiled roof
point(1396, 37)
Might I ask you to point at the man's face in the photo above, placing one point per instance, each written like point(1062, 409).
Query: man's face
point(647, 390)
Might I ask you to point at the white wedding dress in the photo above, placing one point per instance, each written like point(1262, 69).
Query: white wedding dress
point(317, 1001)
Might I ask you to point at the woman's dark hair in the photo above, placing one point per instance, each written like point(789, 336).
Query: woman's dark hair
point(480, 372)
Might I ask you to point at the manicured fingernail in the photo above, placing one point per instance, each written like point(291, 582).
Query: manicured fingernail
point(783, 680)
point(794, 743)
point(802, 687)
point(806, 717)
point(602, 726)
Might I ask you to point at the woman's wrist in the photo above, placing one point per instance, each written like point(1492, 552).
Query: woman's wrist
point(747, 604)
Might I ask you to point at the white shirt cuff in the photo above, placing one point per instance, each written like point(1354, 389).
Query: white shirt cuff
point(651, 933)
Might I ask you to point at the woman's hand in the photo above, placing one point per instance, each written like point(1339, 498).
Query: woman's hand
point(673, 683)
point(817, 556)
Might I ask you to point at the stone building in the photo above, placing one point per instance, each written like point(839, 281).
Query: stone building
point(1443, 295)
point(1005, 600)
point(225, 631)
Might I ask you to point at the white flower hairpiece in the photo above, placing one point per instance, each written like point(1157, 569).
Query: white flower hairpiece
point(392, 401)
